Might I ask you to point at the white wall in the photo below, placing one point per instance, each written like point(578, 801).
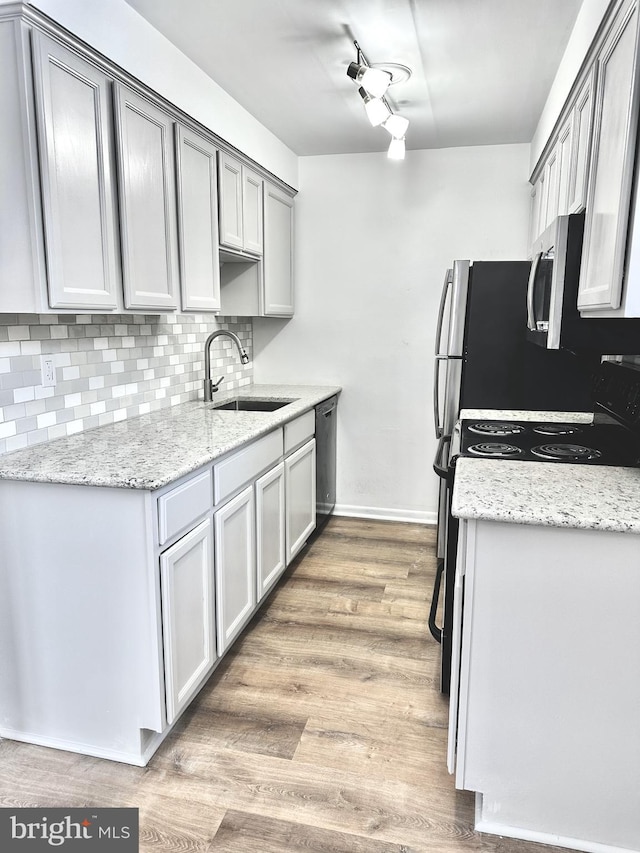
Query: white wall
point(587, 22)
point(374, 239)
point(120, 33)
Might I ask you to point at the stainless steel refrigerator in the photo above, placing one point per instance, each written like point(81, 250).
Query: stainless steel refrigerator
point(483, 360)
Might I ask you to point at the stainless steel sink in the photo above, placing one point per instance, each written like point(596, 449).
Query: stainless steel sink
point(251, 405)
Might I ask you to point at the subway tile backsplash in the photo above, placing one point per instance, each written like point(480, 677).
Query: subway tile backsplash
point(108, 368)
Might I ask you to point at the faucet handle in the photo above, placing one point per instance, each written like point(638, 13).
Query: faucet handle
point(216, 385)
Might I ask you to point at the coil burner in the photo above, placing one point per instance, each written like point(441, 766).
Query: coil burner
point(496, 428)
point(565, 453)
point(557, 429)
point(495, 449)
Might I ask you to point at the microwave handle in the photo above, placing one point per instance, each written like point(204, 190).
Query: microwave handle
point(531, 318)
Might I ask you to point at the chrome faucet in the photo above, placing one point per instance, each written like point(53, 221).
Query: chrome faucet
point(208, 384)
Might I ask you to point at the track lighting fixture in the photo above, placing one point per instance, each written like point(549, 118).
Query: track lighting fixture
point(373, 83)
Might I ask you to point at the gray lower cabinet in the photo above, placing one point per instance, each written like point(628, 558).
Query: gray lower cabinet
point(271, 558)
point(300, 487)
point(188, 616)
point(235, 565)
point(117, 609)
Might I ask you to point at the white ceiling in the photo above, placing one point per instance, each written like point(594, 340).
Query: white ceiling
point(481, 68)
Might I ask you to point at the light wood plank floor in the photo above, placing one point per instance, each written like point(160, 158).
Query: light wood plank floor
point(322, 730)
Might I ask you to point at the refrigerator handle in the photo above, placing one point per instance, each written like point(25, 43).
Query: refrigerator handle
point(531, 314)
point(448, 279)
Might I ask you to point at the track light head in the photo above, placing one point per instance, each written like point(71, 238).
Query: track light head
point(396, 125)
point(376, 109)
point(374, 81)
point(396, 149)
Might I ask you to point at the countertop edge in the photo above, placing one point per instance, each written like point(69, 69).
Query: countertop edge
point(256, 425)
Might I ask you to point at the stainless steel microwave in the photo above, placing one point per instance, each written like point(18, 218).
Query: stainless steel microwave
point(553, 320)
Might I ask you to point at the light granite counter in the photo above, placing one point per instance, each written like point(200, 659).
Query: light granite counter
point(152, 450)
point(520, 415)
point(594, 497)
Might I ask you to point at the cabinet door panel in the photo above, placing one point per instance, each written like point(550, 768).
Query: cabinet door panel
point(230, 202)
point(148, 203)
point(270, 529)
point(235, 566)
point(188, 616)
point(552, 185)
point(278, 253)
point(197, 222)
point(300, 490)
point(611, 169)
point(565, 161)
point(74, 124)
point(252, 211)
point(582, 122)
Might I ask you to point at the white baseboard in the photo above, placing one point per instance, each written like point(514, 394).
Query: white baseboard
point(384, 514)
point(492, 828)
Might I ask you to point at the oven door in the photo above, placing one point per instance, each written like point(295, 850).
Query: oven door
point(445, 570)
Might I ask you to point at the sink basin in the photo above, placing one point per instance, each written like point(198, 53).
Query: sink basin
point(251, 405)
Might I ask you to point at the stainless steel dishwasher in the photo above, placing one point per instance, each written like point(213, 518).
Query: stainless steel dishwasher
point(326, 414)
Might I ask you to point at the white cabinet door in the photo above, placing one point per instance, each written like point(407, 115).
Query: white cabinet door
point(188, 616)
point(235, 566)
point(611, 168)
point(78, 185)
point(300, 490)
point(147, 203)
point(582, 123)
point(552, 184)
point(252, 228)
point(230, 202)
point(278, 253)
point(270, 529)
point(197, 222)
point(564, 147)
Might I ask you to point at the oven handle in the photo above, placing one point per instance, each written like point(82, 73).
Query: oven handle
point(531, 313)
point(440, 465)
point(436, 632)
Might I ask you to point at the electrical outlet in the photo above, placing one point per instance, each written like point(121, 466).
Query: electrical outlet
point(48, 371)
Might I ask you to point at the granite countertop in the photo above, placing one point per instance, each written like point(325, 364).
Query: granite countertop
point(593, 497)
point(519, 415)
point(152, 450)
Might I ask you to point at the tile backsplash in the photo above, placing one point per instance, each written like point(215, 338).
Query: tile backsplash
point(108, 368)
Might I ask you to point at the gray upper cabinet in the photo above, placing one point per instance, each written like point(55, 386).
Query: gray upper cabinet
point(278, 253)
point(197, 222)
point(240, 201)
point(252, 211)
point(611, 166)
point(74, 124)
point(147, 203)
point(582, 116)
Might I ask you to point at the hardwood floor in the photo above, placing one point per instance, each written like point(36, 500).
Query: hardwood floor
point(322, 730)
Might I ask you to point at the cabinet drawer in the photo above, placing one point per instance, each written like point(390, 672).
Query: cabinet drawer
point(300, 430)
point(247, 464)
point(183, 505)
